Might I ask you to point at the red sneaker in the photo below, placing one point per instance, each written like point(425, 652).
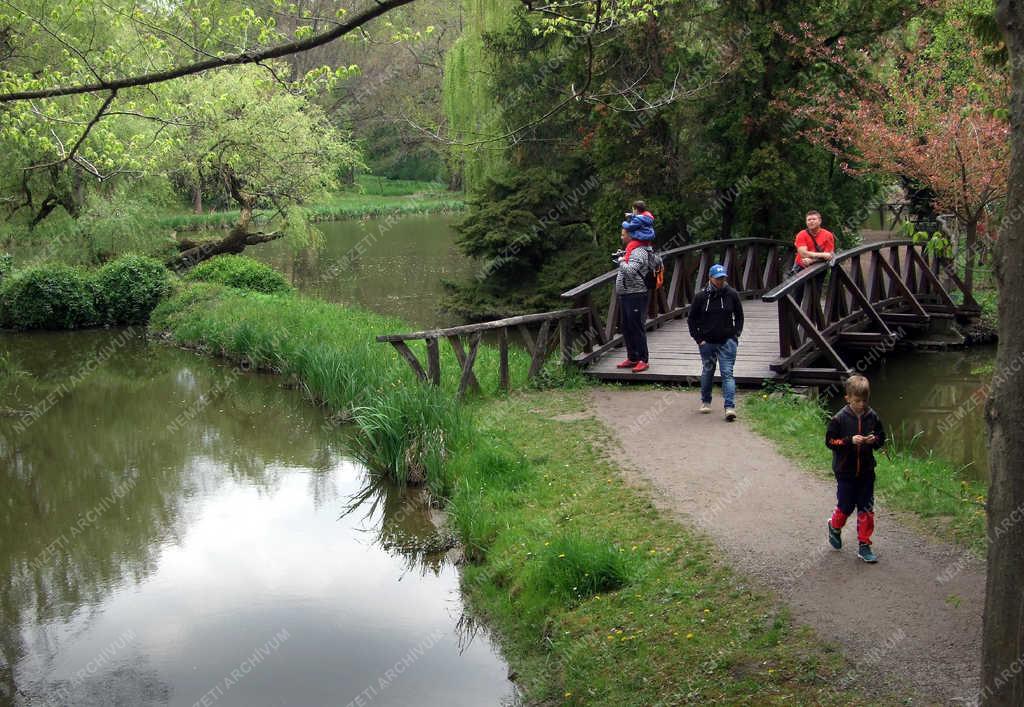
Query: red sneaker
point(626, 364)
point(640, 367)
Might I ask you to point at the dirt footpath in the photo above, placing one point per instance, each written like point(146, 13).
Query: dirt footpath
point(911, 621)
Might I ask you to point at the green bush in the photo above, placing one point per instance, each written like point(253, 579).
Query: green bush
point(47, 297)
point(127, 289)
point(6, 265)
point(242, 273)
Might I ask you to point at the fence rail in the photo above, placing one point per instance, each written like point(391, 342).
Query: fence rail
point(537, 346)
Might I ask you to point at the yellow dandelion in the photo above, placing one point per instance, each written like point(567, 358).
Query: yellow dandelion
point(561, 554)
point(568, 694)
point(689, 635)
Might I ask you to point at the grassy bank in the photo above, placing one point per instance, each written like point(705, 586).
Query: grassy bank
point(598, 598)
point(370, 197)
point(329, 350)
point(931, 488)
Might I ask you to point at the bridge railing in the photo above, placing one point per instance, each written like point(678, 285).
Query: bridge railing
point(754, 266)
point(538, 345)
point(862, 299)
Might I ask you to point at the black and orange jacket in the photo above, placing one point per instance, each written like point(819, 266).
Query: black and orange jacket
point(850, 460)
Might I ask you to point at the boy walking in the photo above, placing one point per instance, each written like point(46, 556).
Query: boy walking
point(853, 434)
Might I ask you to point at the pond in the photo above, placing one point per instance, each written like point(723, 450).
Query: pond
point(174, 532)
point(937, 399)
point(390, 265)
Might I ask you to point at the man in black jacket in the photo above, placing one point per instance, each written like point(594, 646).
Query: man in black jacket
point(716, 322)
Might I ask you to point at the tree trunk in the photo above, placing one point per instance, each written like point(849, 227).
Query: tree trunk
point(970, 246)
point(1003, 637)
point(236, 240)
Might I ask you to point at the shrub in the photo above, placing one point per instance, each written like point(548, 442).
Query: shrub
point(242, 273)
point(6, 265)
point(47, 297)
point(128, 289)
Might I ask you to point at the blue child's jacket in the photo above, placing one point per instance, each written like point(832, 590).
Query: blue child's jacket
point(640, 226)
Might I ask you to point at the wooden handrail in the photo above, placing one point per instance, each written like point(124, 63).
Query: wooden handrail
point(536, 346)
point(484, 326)
point(813, 270)
point(673, 253)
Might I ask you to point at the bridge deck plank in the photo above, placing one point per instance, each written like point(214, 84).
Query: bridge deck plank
point(674, 357)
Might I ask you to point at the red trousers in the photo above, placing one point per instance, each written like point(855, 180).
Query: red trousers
point(859, 493)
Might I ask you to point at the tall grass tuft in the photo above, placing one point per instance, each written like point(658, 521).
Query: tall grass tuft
point(409, 428)
point(409, 433)
point(572, 567)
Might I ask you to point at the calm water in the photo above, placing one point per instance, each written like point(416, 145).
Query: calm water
point(392, 267)
point(171, 529)
point(924, 394)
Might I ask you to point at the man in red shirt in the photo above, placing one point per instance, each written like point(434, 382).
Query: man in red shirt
point(813, 243)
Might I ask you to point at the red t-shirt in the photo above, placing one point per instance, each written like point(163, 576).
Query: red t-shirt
point(826, 243)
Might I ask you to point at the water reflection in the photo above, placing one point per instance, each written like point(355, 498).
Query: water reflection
point(164, 519)
point(391, 266)
point(939, 399)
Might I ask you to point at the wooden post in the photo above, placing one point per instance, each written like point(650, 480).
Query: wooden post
point(539, 350)
point(503, 381)
point(816, 336)
point(467, 367)
point(409, 356)
point(434, 361)
point(565, 337)
point(460, 354)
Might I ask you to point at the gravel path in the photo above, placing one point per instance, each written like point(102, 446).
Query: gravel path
point(912, 621)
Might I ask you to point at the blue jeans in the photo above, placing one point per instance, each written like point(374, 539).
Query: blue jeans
point(724, 355)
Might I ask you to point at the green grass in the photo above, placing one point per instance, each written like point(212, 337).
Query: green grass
point(381, 186)
point(596, 596)
point(330, 351)
point(931, 488)
point(368, 198)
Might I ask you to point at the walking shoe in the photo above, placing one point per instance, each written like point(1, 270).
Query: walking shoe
point(865, 553)
point(730, 414)
point(705, 408)
point(626, 364)
point(640, 367)
point(835, 537)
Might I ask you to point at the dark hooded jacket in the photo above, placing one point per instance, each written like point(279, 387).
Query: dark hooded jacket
point(850, 460)
point(716, 315)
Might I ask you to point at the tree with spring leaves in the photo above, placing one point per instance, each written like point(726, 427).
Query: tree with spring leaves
point(268, 148)
point(914, 117)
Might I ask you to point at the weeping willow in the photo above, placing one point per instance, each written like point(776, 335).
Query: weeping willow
point(473, 114)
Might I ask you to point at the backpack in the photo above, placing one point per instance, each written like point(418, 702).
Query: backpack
point(654, 278)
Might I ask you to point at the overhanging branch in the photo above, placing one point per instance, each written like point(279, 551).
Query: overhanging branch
point(378, 8)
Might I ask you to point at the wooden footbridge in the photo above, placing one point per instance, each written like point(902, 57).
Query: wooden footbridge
point(815, 328)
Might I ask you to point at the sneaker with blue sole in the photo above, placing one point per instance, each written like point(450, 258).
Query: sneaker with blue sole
point(867, 554)
point(835, 537)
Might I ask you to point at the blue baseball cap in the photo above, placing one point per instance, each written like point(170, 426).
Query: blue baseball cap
point(718, 271)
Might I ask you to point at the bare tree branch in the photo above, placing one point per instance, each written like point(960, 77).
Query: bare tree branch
point(378, 8)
